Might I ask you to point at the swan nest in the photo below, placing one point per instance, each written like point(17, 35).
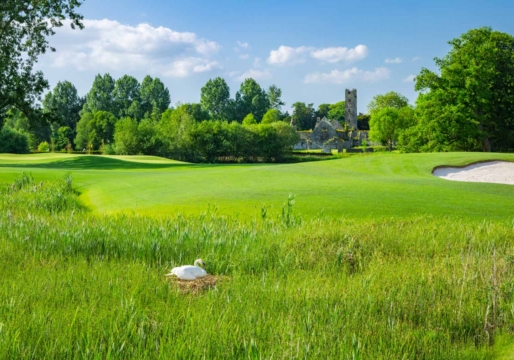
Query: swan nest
point(499, 172)
point(198, 285)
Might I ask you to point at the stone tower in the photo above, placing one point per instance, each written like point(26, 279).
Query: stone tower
point(351, 108)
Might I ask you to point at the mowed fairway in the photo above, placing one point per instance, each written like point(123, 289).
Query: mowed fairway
point(376, 185)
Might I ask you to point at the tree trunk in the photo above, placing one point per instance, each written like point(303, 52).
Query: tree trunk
point(486, 145)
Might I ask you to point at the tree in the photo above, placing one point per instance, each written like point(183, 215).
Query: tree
point(274, 96)
point(251, 99)
point(271, 116)
point(249, 120)
point(337, 111)
point(64, 137)
point(215, 98)
point(390, 100)
point(64, 103)
point(155, 97)
point(25, 26)
point(14, 142)
point(126, 137)
point(322, 111)
point(101, 95)
point(387, 125)
point(173, 130)
point(304, 115)
point(95, 130)
point(471, 100)
point(127, 98)
point(195, 111)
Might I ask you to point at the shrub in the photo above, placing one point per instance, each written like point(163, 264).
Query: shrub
point(12, 141)
point(43, 147)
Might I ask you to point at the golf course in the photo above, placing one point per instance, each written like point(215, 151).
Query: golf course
point(382, 185)
point(366, 257)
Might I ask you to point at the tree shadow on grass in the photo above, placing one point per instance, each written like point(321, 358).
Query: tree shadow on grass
point(98, 163)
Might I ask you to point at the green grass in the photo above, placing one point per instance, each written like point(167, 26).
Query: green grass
point(361, 186)
point(400, 265)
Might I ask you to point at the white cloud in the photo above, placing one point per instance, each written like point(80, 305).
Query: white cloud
point(397, 60)
point(109, 45)
point(243, 45)
point(187, 66)
point(349, 75)
point(417, 58)
point(289, 55)
point(409, 79)
point(254, 74)
point(244, 56)
point(336, 54)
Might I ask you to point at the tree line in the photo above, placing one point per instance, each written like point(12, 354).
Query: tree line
point(467, 105)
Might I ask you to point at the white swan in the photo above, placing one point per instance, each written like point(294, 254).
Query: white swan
point(189, 272)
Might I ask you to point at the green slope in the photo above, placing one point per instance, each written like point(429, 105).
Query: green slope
point(360, 186)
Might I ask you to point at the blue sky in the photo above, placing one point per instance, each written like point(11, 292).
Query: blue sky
point(312, 50)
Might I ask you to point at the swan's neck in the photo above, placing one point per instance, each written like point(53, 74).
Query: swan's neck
point(198, 264)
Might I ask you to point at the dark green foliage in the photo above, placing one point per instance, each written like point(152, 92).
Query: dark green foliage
point(469, 105)
point(363, 121)
point(64, 138)
point(215, 98)
point(251, 99)
point(127, 98)
point(101, 95)
point(95, 130)
point(195, 111)
point(304, 115)
point(126, 137)
point(12, 141)
point(64, 104)
point(322, 111)
point(213, 140)
point(155, 98)
point(24, 31)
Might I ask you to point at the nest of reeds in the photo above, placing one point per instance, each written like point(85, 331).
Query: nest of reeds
point(197, 286)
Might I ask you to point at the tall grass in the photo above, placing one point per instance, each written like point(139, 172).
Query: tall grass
point(78, 285)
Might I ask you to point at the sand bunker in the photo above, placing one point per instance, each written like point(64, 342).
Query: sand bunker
point(500, 172)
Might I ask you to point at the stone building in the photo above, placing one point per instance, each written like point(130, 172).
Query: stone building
point(328, 135)
point(350, 114)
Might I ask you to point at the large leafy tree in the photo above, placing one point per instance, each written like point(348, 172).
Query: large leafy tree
point(304, 115)
point(215, 98)
point(387, 125)
point(337, 111)
point(275, 97)
point(127, 97)
point(95, 130)
point(390, 100)
point(155, 97)
point(64, 103)
point(470, 101)
point(101, 95)
point(322, 111)
point(251, 99)
point(25, 26)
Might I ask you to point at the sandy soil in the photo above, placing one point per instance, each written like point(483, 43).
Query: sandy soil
point(501, 172)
